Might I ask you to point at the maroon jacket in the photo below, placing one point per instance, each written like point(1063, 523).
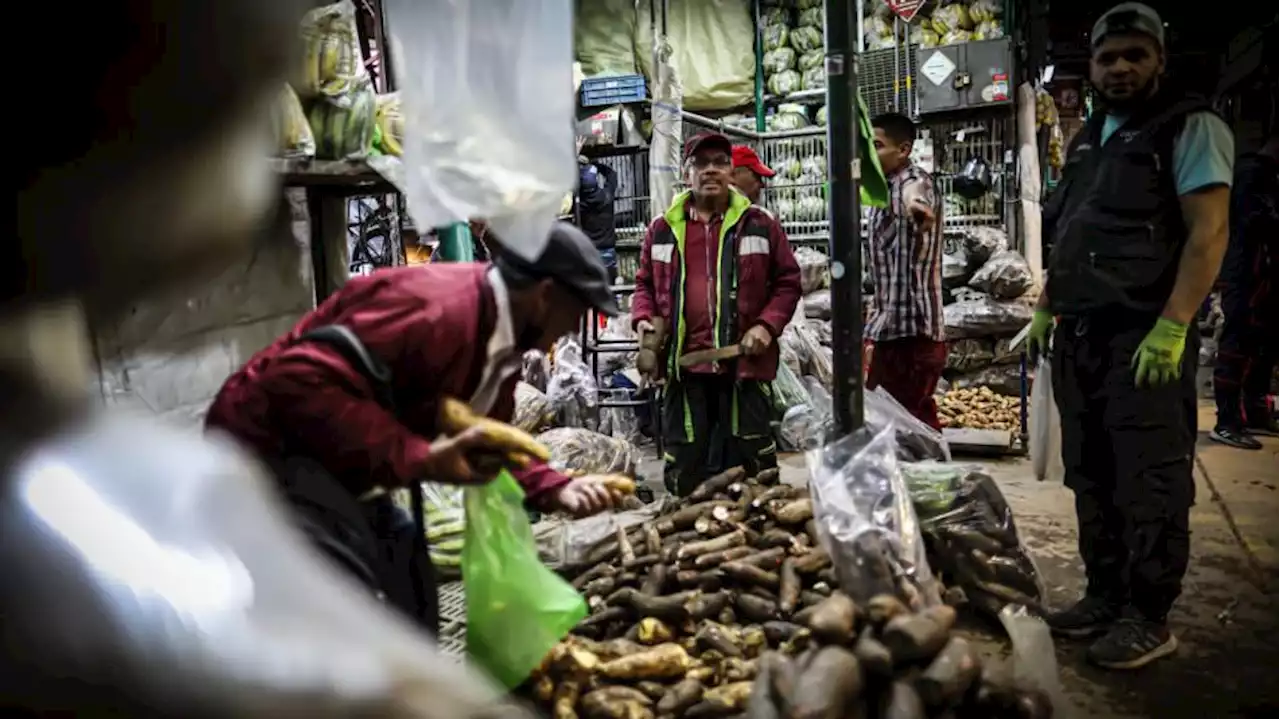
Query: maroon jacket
point(430, 324)
point(759, 263)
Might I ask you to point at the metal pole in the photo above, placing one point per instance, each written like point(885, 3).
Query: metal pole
point(846, 226)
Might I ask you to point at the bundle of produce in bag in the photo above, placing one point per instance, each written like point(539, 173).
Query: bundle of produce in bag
point(726, 603)
point(577, 451)
point(571, 387)
point(984, 316)
point(390, 124)
point(534, 412)
point(333, 67)
point(293, 132)
point(971, 539)
point(1005, 275)
point(446, 521)
point(344, 130)
point(535, 369)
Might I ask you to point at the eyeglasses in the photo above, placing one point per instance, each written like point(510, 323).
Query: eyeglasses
point(702, 162)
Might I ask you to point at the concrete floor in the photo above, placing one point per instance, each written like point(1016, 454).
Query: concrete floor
point(1226, 620)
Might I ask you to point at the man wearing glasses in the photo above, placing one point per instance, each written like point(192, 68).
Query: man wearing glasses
point(720, 272)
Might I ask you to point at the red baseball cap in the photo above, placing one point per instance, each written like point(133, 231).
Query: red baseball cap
point(707, 141)
point(744, 156)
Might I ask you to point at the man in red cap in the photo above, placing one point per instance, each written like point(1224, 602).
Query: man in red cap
point(749, 172)
point(719, 270)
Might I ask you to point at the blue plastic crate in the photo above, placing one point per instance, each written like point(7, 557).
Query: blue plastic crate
point(614, 90)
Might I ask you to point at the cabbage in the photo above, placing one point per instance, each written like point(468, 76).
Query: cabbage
point(785, 209)
point(877, 27)
point(928, 38)
point(811, 208)
point(815, 78)
point(811, 18)
point(807, 4)
point(811, 59)
point(955, 37)
point(815, 165)
point(790, 168)
point(789, 117)
point(778, 60)
point(806, 38)
point(821, 117)
point(775, 36)
point(774, 16)
point(879, 42)
point(784, 83)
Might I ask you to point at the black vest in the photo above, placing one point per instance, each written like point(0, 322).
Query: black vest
point(1115, 221)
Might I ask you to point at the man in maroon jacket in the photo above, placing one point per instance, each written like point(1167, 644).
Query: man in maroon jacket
point(443, 330)
point(720, 271)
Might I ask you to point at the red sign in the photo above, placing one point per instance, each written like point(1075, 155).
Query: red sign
point(905, 9)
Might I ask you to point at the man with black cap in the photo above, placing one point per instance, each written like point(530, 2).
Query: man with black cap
point(328, 425)
point(719, 272)
point(1139, 227)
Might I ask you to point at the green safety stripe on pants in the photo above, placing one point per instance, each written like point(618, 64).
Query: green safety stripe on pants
point(688, 416)
point(733, 412)
point(668, 458)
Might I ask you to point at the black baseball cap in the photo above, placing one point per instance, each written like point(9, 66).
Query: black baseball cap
point(707, 141)
point(573, 262)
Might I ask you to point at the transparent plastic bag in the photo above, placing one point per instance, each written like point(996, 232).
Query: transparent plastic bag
point(1045, 427)
point(775, 36)
point(345, 130)
point(866, 521)
point(817, 305)
point(788, 391)
point(985, 316)
point(571, 388)
point(784, 83)
point(915, 440)
point(619, 422)
point(806, 426)
point(446, 523)
point(981, 243)
point(969, 355)
point(536, 369)
point(491, 135)
point(534, 412)
point(971, 537)
point(618, 329)
point(814, 272)
point(293, 131)
point(576, 452)
point(1006, 275)
point(390, 120)
point(333, 66)
point(779, 60)
point(806, 38)
point(1034, 661)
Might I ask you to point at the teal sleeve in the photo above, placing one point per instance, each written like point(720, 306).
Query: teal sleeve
point(1204, 154)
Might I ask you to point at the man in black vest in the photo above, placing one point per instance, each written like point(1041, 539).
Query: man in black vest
point(1139, 226)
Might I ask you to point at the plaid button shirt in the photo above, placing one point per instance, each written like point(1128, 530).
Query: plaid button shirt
point(906, 265)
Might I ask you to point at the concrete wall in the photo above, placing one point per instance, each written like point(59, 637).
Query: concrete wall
point(170, 357)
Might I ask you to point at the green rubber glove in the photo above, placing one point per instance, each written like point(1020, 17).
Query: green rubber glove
point(1038, 337)
point(1159, 357)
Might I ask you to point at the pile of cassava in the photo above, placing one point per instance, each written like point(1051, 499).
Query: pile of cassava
point(727, 606)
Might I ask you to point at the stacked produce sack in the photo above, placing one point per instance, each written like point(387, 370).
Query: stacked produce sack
point(793, 47)
point(989, 294)
point(728, 602)
point(335, 90)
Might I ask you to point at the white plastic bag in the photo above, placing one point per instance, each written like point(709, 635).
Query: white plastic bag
point(488, 100)
point(1045, 427)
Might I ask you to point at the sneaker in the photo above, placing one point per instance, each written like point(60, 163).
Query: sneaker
point(1131, 644)
point(1234, 437)
point(1088, 617)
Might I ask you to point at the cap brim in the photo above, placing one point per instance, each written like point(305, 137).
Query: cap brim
point(763, 171)
point(606, 304)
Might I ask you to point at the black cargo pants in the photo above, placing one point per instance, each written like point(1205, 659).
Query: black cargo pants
point(1128, 455)
point(695, 406)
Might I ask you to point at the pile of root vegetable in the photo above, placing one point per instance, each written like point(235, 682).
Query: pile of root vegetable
point(727, 606)
point(979, 408)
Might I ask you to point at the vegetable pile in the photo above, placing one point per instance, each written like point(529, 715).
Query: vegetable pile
point(979, 408)
point(726, 605)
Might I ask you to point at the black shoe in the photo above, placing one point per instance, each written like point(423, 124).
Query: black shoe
point(1088, 617)
point(1263, 425)
point(1234, 437)
point(1131, 644)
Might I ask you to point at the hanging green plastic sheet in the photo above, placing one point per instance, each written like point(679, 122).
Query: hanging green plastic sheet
point(873, 188)
point(517, 608)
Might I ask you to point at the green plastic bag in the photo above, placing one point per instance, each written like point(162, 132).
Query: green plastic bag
point(517, 608)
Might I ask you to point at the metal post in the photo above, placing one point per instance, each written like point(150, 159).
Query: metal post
point(760, 127)
point(846, 226)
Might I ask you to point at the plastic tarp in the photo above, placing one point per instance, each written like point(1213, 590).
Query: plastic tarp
point(604, 36)
point(714, 43)
point(666, 144)
point(487, 90)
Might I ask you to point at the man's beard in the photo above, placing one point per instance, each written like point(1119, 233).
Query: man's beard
point(1128, 104)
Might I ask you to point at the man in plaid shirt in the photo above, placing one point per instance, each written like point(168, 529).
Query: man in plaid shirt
point(905, 255)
